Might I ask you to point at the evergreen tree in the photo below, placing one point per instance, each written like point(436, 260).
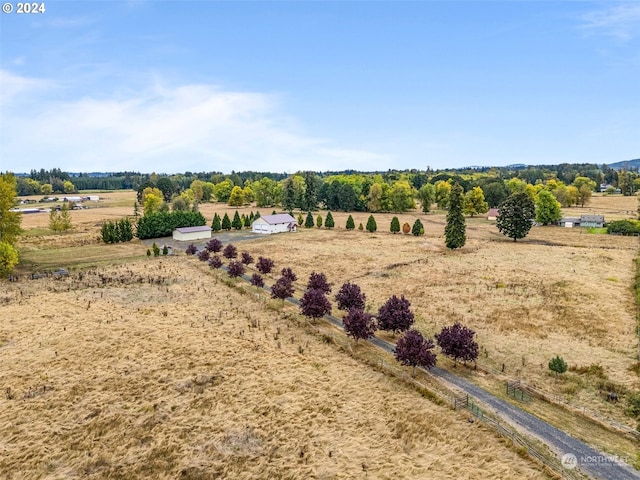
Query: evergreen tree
point(236, 223)
point(226, 222)
point(395, 225)
point(371, 224)
point(515, 216)
point(156, 250)
point(257, 215)
point(309, 223)
point(418, 228)
point(360, 227)
point(350, 223)
point(247, 221)
point(310, 199)
point(165, 250)
point(319, 221)
point(455, 230)
point(328, 222)
point(300, 219)
point(557, 365)
point(216, 225)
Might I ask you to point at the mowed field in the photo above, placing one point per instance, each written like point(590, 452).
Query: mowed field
point(158, 369)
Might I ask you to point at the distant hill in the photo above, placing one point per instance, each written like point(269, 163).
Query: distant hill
point(626, 165)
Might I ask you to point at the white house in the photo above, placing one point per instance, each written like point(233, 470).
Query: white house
point(282, 222)
point(185, 234)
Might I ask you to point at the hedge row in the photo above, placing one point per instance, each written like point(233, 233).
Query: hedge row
point(162, 224)
point(624, 227)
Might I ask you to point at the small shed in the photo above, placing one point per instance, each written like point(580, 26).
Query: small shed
point(185, 234)
point(492, 214)
point(281, 222)
point(596, 221)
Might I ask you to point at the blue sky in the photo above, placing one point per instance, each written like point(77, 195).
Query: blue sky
point(174, 86)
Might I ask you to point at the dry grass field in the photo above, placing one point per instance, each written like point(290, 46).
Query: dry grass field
point(158, 369)
point(557, 292)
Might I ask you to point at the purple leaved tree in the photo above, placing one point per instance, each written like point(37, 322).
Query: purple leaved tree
point(264, 265)
point(350, 296)
point(314, 303)
point(318, 281)
point(246, 258)
point(191, 249)
point(414, 350)
point(235, 268)
point(230, 252)
point(215, 261)
point(214, 245)
point(257, 280)
point(359, 324)
point(287, 272)
point(283, 288)
point(395, 315)
point(203, 255)
point(457, 342)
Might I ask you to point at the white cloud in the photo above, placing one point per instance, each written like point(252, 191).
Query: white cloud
point(165, 129)
point(621, 21)
point(12, 86)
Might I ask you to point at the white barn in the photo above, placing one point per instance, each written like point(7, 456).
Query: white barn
point(185, 234)
point(282, 222)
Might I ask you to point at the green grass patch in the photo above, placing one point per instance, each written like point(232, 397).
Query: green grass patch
point(80, 256)
point(595, 230)
point(34, 232)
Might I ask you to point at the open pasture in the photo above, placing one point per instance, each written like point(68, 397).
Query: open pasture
point(158, 369)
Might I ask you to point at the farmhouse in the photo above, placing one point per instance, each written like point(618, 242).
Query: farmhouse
point(191, 233)
point(282, 222)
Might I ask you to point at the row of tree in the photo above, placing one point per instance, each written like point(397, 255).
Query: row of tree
point(395, 315)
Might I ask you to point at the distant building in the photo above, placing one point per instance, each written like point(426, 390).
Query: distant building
point(267, 224)
point(186, 234)
point(492, 214)
point(595, 221)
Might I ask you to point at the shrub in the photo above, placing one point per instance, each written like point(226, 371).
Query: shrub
point(395, 225)
point(557, 365)
point(156, 250)
point(203, 255)
point(328, 222)
point(623, 227)
point(246, 258)
point(350, 223)
point(371, 224)
point(162, 224)
point(191, 249)
point(406, 228)
point(309, 223)
point(418, 228)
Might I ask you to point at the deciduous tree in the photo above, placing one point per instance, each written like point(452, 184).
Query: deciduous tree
point(395, 315)
point(516, 216)
point(547, 208)
point(264, 265)
point(282, 289)
point(318, 281)
point(257, 280)
point(426, 195)
point(214, 245)
point(235, 268)
point(414, 350)
point(236, 198)
point(8, 258)
point(359, 324)
point(457, 342)
point(215, 261)
point(314, 303)
point(246, 258)
point(288, 273)
point(230, 251)
point(474, 202)
point(350, 297)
